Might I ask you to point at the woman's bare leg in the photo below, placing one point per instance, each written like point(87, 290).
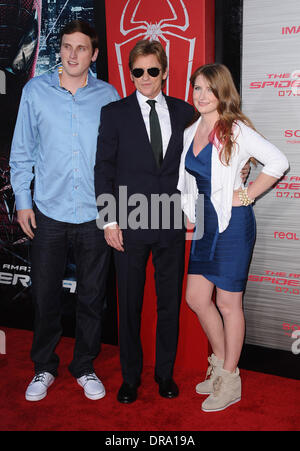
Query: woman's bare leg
point(231, 308)
point(199, 298)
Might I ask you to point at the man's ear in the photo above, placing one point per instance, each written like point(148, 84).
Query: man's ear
point(95, 55)
point(165, 75)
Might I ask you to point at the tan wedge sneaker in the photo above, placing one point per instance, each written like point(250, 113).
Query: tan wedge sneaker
point(227, 390)
point(206, 387)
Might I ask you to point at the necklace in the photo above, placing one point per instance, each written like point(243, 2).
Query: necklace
point(60, 71)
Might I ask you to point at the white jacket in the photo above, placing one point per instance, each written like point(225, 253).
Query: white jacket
point(226, 179)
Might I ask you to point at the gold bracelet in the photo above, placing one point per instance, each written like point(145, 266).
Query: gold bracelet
point(244, 198)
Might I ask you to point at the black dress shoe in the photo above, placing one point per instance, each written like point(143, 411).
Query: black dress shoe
point(127, 393)
point(167, 387)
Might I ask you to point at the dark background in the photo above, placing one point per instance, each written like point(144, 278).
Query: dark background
point(228, 36)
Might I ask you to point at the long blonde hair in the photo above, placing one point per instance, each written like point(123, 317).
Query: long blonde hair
point(222, 85)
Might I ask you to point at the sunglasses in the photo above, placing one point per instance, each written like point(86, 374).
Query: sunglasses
point(152, 71)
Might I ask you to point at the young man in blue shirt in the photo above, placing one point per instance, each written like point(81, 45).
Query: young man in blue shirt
point(56, 134)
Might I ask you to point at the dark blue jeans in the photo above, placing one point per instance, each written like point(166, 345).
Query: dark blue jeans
point(49, 256)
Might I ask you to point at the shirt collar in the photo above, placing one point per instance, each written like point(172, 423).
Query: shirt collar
point(143, 99)
point(55, 80)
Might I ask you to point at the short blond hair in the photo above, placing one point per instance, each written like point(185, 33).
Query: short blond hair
point(145, 47)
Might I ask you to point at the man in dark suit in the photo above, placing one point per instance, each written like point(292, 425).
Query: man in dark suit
point(139, 147)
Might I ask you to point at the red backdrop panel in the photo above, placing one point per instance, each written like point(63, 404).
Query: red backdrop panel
point(186, 30)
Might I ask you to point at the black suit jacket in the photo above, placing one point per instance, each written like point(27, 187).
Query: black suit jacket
point(125, 159)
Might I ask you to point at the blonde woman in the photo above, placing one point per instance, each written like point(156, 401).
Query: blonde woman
point(216, 147)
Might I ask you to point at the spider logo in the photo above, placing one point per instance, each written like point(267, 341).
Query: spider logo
point(160, 30)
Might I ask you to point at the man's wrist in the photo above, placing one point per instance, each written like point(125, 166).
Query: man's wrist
point(109, 224)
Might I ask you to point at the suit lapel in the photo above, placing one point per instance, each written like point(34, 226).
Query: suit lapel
point(174, 129)
point(140, 130)
point(135, 112)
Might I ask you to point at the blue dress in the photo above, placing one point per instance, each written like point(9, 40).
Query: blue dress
point(223, 258)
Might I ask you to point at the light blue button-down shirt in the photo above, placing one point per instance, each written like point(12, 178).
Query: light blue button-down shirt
point(56, 134)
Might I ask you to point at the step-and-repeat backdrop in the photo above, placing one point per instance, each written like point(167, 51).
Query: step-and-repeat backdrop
point(271, 98)
point(270, 93)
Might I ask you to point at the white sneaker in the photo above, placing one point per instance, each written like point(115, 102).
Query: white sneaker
point(93, 387)
point(37, 389)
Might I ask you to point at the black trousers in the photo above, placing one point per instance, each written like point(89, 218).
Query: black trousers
point(131, 272)
point(49, 257)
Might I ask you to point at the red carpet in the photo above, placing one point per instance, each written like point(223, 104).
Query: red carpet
point(269, 403)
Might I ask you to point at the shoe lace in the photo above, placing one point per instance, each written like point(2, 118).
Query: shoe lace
point(210, 369)
point(40, 377)
point(91, 377)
